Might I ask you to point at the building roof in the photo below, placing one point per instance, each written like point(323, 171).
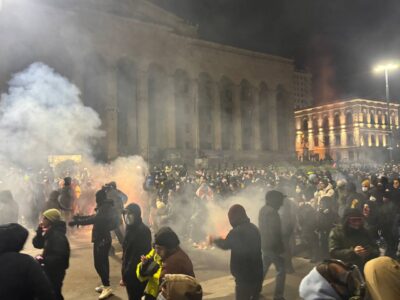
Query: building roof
point(350, 102)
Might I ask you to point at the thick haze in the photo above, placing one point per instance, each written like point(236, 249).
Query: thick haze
point(338, 41)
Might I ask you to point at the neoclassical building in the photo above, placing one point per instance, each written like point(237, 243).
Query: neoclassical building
point(357, 129)
point(160, 90)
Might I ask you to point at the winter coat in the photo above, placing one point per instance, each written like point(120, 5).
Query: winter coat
point(315, 287)
point(137, 242)
point(21, 277)
point(101, 221)
point(328, 191)
point(270, 227)
point(342, 241)
point(182, 287)
point(153, 281)
point(55, 245)
point(382, 276)
point(66, 198)
point(177, 263)
point(244, 241)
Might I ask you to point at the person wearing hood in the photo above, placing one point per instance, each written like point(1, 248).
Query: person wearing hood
point(9, 209)
point(137, 242)
point(51, 237)
point(333, 280)
point(324, 189)
point(351, 242)
point(271, 239)
point(244, 241)
point(21, 276)
point(104, 221)
point(382, 276)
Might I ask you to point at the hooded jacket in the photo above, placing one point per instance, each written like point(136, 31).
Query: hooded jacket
point(55, 245)
point(244, 241)
point(270, 226)
point(343, 239)
point(382, 275)
point(137, 242)
point(21, 277)
point(315, 287)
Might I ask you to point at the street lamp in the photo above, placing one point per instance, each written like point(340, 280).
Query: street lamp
point(386, 68)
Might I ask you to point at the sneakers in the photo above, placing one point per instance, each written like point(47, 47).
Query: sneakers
point(99, 289)
point(107, 292)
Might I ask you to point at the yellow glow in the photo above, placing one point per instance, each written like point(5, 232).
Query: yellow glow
point(387, 67)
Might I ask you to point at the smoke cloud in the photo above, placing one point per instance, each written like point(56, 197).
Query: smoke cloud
point(41, 115)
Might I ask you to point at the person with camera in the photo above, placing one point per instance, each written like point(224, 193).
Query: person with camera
point(104, 221)
point(137, 242)
point(51, 237)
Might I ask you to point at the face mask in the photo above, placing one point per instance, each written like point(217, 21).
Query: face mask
point(129, 219)
point(364, 188)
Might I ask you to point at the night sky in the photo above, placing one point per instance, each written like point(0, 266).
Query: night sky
point(338, 41)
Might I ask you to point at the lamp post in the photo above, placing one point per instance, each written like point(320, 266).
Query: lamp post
point(386, 68)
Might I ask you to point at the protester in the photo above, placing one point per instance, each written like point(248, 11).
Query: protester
point(246, 264)
point(21, 277)
point(50, 236)
point(382, 275)
point(105, 220)
point(9, 209)
point(351, 242)
point(137, 242)
point(271, 240)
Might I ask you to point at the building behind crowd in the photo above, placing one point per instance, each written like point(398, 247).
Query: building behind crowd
point(160, 90)
point(302, 90)
point(357, 129)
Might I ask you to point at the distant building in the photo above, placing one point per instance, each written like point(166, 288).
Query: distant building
point(356, 129)
point(302, 90)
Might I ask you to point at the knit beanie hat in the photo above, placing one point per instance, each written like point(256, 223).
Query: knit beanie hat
point(166, 237)
point(365, 183)
point(52, 215)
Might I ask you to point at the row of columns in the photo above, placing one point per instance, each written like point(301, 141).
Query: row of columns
point(142, 98)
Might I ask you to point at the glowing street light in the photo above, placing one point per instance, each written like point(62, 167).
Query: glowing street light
point(390, 66)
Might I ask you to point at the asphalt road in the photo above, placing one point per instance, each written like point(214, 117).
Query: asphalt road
point(211, 268)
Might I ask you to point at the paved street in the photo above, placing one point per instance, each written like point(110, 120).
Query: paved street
point(211, 268)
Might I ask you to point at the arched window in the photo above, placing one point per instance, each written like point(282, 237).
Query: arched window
point(226, 96)
point(247, 112)
point(205, 107)
point(349, 118)
point(325, 124)
point(183, 109)
point(336, 120)
point(305, 124)
point(315, 125)
point(265, 118)
point(372, 117)
point(373, 141)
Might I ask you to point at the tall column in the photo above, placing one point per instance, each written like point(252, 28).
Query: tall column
point(256, 119)
point(237, 118)
point(273, 119)
point(217, 117)
point(194, 101)
point(111, 115)
point(143, 113)
point(170, 112)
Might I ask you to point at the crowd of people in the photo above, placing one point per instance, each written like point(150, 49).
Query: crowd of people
point(345, 219)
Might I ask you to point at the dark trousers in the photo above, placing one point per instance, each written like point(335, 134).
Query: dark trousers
point(247, 291)
point(56, 280)
point(279, 263)
point(134, 287)
point(101, 262)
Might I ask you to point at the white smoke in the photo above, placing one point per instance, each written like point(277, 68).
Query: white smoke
point(41, 115)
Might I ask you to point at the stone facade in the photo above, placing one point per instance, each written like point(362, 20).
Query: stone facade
point(357, 129)
point(302, 90)
point(160, 90)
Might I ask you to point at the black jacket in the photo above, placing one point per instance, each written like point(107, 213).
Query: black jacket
point(137, 242)
point(100, 221)
point(270, 226)
point(21, 277)
point(56, 250)
point(245, 244)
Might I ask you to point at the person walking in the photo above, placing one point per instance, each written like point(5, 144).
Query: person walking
point(271, 239)
point(246, 265)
